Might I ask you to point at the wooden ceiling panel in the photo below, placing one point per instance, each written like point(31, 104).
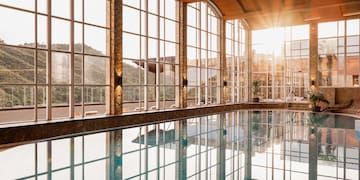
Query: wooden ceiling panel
point(269, 13)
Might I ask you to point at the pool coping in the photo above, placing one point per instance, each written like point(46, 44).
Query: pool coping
point(20, 133)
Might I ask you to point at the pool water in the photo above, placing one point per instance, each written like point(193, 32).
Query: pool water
point(232, 145)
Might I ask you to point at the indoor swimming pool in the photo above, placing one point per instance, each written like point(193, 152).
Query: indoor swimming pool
point(271, 144)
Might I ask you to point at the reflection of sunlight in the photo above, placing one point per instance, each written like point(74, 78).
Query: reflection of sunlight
point(271, 41)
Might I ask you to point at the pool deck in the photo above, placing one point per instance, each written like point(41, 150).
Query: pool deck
point(11, 134)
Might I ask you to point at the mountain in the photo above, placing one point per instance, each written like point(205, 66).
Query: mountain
point(17, 67)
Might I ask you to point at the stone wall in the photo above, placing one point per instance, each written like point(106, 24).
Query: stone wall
point(341, 95)
point(344, 95)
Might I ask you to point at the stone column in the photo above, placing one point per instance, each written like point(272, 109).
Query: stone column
point(181, 75)
point(249, 64)
point(221, 77)
point(313, 65)
point(115, 49)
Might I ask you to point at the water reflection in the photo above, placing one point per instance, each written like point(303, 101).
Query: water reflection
point(232, 145)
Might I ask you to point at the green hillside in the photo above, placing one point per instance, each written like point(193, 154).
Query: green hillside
point(17, 67)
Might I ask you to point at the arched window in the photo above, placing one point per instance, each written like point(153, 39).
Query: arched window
point(54, 59)
point(150, 61)
point(236, 71)
point(203, 54)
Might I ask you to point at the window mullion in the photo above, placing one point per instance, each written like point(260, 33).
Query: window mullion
point(71, 88)
point(35, 89)
point(146, 68)
point(157, 74)
point(48, 69)
point(206, 55)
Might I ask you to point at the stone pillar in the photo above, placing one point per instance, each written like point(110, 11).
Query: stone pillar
point(115, 101)
point(313, 65)
point(221, 95)
point(249, 64)
point(181, 95)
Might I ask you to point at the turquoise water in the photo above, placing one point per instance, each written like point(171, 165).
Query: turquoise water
point(232, 145)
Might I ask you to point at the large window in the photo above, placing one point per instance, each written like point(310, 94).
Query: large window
point(54, 59)
point(236, 62)
point(280, 62)
point(203, 54)
point(297, 55)
point(150, 61)
point(338, 46)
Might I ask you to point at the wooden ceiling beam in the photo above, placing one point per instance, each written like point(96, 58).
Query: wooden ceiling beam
point(286, 11)
point(242, 9)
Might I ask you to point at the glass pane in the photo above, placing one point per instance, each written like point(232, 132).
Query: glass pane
point(60, 8)
point(131, 45)
point(328, 29)
point(60, 36)
point(42, 31)
point(170, 9)
point(42, 6)
point(171, 31)
point(14, 33)
point(94, 95)
point(23, 4)
point(131, 20)
point(352, 27)
point(131, 94)
point(60, 101)
point(133, 72)
point(95, 40)
point(41, 101)
point(78, 37)
point(153, 26)
point(78, 10)
point(60, 95)
point(60, 68)
point(78, 69)
point(42, 65)
point(95, 70)
point(133, 3)
point(20, 102)
point(132, 97)
point(96, 12)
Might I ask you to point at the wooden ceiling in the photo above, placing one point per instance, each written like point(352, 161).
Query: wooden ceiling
point(271, 13)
